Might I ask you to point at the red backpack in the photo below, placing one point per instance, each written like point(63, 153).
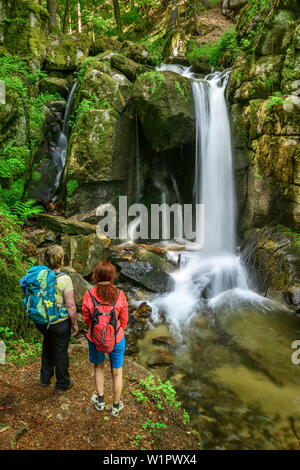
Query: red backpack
point(104, 327)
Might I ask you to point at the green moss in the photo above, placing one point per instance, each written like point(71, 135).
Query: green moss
point(13, 266)
point(290, 233)
point(25, 36)
point(157, 80)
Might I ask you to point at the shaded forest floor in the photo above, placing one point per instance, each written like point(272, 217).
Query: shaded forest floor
point(68, 420)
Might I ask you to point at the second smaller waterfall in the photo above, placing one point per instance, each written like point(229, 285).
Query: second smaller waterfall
point(60, 151)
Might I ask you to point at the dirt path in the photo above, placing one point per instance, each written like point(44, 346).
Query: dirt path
point(214, 22)
point(69, 421)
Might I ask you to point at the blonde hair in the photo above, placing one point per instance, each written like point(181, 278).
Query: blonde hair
point(54, 257)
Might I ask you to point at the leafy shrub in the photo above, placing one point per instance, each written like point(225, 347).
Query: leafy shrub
point(13, 265)
point(214, 52)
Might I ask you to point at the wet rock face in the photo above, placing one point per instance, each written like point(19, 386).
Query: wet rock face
point(165, 106)
point(41, 185)
point(273, 258)
point(102, 145)
point(264, 89)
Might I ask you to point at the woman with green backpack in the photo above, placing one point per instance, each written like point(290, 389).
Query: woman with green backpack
point(49, 302)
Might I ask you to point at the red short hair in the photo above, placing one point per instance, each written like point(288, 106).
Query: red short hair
point(106, 272)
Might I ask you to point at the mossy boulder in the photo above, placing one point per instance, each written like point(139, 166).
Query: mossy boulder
point(65, 226)
point(291, 72)
point(104, 86)
point(92, 146)
point(275, 117)
point(79, 283)
point(83, 252)
point(25, 33)
point(127, 66)
point(165, 106)
point(65, 52)
point(155, 260)
point(152, 277)
point(136, 52)
point(104, 43)
point(270, 40)
point(55, 85)
point(101, 151)
point(264, 89)
point(273, 252)
point(276, 156)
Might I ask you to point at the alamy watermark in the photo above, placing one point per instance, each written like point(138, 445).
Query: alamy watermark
point(2, 92)
point(2, 352)
point(296, 354)
point(179, 222)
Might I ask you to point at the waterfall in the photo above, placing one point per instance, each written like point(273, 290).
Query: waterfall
point(214, 181)
point(60, 151)
point(215, 270)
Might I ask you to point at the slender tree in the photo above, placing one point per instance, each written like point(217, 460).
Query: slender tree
point(51, 7)
point(79, 25)
point(174, 14)
point(118, 16)
point(206, 3)
point(66, 16)
point(195, 14)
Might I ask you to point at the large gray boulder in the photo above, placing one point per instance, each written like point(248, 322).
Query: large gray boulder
point(164, 101)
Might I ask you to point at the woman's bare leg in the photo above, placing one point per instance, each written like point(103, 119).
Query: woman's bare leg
point(117, 376)
point(99, 377)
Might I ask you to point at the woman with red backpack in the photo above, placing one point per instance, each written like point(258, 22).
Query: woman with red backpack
point(105, 312)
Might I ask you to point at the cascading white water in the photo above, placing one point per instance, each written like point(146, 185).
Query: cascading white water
point(60, 152)
point(214, 175)
point(216, 269)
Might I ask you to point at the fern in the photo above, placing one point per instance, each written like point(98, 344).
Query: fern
point(25, 210)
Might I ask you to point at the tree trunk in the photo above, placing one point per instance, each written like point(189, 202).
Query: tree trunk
point(70, 25)
point(195, 15)
point(51, 7)
point(79, 27)
point(67, 9)
point(174, 14)
point(206, 3)
point(118, 16)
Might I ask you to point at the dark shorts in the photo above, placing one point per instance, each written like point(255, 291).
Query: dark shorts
point(116, 357)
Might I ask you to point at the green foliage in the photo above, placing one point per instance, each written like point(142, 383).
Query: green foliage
point(156, 48)
point(15, 157)
point(25, 210)
point(215, 51)
point(13, 265)
point(154, 427)
point(276, 100)
point(157, 80)
point(140, 397)
point(290, 233)
point(159, 393)
point(71, 186)
point(19, 351)
point(255, 14)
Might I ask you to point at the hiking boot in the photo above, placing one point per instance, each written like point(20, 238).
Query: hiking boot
point(44, 385)
point(116, 411)
point(99, 405)
point(71, 383)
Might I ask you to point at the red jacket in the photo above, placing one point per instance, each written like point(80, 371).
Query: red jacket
point(121, 309)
